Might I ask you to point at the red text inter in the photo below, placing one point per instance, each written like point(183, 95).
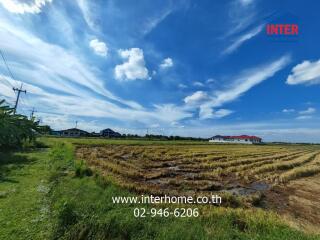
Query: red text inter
point(282, 29)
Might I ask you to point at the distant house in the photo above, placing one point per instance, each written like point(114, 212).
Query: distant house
point(244, 139)
point(94, 134)
point(73, 132)
point(55, 133)
point(109, 133)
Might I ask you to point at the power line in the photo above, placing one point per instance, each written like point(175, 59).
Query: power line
point(13, 79)
point(28, 101)
point(25, 103)
point(7, 66)
point(9, 71)
point(23, 107)
point(32, 112)
point(7, 81)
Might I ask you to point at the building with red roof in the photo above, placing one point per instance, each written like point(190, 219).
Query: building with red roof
point(244, 139)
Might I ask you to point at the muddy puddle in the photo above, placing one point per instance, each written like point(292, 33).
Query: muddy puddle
point(211, 186)
point(247, 190)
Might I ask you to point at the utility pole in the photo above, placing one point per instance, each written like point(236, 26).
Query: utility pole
point(18, 96)
point(76, 124)
point(32, 112)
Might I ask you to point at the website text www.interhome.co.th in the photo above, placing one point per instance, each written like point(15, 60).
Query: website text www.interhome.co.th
point(151, 199)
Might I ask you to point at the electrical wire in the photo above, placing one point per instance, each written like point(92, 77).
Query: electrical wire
point(7, 66)
point(13, 79)
point(10, 73)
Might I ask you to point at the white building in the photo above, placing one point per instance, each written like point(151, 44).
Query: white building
point(73, 132)
point(243, 139)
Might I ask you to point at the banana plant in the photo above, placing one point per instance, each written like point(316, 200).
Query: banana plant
point(15, 128)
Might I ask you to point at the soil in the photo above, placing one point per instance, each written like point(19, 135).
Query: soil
point(298, 202)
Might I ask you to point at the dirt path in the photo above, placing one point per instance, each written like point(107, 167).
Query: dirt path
point(298, 202)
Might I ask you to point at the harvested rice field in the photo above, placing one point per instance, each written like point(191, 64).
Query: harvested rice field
point(175, 169)
point(281, 178)
point(265, 176)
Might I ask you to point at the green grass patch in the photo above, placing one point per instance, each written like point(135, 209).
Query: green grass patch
point(43, 197)
point(24, 200)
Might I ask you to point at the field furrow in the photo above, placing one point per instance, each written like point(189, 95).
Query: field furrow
point(201, 168)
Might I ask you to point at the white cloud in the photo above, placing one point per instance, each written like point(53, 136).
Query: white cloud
point(155, 125)
point(196, 97)
point(303, 117)
point(198, 84)
point(241, 39)
point(61, 23)
point(6, 88)
point(99, 47)
point(291, 110)
point(70, 80)
point(211, 80)
point(246, 2)
point(175, 124)
point(207, 112)
point(166, 63)
point(242, 14)
point(308, 111)
point(153, 22)
point(62, 121)
point(20, 7)
point(246, 81)
point(306, 72)
point(182, 86)
point(61, 68)
point(170, 113)
point(74, 107)
point(134, 67)
point(243, 83)
point(222, 113)
point(87, 13)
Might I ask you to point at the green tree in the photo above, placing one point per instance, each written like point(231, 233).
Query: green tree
point(15, 128)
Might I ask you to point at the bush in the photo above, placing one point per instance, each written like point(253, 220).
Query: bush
point(66, 218)
point(81, 170)
point(101, 180)
point(15, 129)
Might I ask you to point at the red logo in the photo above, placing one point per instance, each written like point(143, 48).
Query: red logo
point(282, 29)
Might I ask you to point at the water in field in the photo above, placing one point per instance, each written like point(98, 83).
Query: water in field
point(247, 190)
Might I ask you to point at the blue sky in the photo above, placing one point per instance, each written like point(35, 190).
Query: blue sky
point(191, 68)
